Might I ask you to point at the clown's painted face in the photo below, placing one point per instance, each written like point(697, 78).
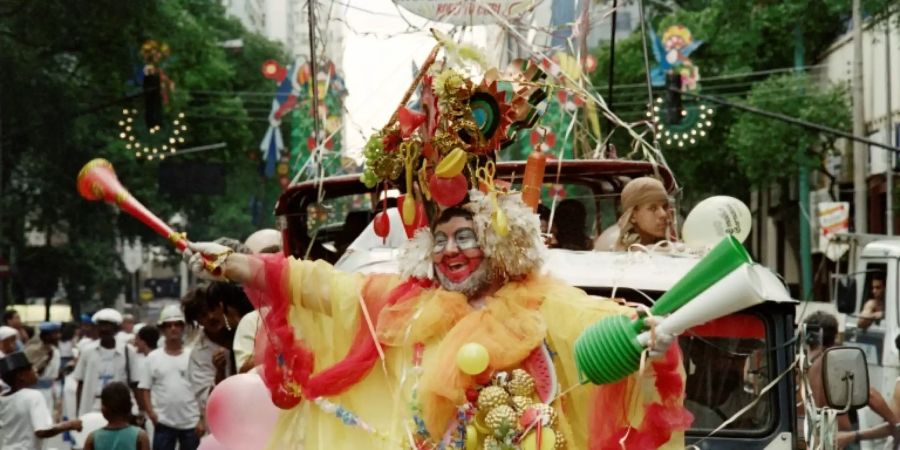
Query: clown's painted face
point(456, 251)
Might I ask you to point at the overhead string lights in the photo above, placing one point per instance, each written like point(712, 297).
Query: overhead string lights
point(694, 123)
point(154, 143)
point(677, 123)
point(153, 137)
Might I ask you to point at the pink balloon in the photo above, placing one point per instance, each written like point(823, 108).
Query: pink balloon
point(209, 442)
point(240, 412)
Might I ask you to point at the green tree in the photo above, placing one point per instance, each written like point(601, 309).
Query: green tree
point(761, 143)
point(740, 36)
point(67, 66)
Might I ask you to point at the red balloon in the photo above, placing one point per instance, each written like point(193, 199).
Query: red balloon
point(382, 225)
point(448, 191)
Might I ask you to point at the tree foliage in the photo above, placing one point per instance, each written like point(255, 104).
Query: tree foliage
point(68, 73)
point(739, 37)
point(762, 144)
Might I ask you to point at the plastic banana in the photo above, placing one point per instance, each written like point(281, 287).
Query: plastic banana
point(452, 164)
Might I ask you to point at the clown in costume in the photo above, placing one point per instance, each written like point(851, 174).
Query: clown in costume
point(470, 346)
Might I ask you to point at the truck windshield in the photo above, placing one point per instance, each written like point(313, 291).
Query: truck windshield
point(726, 364)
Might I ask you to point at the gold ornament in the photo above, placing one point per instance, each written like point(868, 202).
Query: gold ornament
point(546, 412)
point(521, 402)
point(492, 397)
point(560, 443)
point(522, 383)
point(500, 417)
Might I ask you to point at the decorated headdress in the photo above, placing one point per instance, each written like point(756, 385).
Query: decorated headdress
point(445, 152)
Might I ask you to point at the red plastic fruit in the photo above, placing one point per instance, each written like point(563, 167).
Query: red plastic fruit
point(382, 225)
point(448, 191)
point(420, 220)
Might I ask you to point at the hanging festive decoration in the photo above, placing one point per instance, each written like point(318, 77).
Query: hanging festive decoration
point(157, 85)
point(154, 137)
point(672, 54)
point(696, 120)
point(295, 93)
point(289, 81)
point(678, 121)
point(152, 143)
point(331, 90)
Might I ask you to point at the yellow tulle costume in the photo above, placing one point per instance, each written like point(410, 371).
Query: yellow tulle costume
point(399, 400)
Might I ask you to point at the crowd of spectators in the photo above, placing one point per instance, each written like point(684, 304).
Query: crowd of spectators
point(149, 379)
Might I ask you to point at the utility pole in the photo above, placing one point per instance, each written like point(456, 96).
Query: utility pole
point(313, 68)
point(803, 191)
point(612, 55)
point(889, 128)
point(860, 192)
point(2, 246)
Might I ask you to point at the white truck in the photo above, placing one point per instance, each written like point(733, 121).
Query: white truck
point(872, 265)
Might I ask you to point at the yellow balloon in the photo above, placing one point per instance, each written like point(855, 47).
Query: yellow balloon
point(472, 358)
point(471, 438)
point(548, 440)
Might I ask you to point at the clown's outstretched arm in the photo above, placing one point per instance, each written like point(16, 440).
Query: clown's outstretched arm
point(216, 262)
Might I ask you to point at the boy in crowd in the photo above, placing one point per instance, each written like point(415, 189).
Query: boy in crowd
point(119, 433)
point(24, 417)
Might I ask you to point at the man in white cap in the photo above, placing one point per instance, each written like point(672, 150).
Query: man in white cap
point(8, 336)
point(165, 391)
point(103, 363)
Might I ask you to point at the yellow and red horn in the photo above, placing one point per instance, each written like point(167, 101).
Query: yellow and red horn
point(98, 181)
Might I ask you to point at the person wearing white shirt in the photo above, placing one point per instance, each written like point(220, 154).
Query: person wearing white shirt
point(24, 418)
point(165, 392)
point(245, 341)
point(8, 336)
point(45, 356)
point(103, 363)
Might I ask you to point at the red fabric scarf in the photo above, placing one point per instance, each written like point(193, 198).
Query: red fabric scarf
point(661, 418)
point(289, 363)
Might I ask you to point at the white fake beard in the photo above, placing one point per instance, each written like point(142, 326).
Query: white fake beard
point(474, 284)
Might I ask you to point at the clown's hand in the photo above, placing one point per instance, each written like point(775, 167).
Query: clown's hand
point(658, 341)
point(205, 259)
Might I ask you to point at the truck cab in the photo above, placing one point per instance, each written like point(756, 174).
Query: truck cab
point(873, 277)
point(728, 361)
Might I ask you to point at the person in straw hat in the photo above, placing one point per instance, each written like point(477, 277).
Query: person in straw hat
point(646, 217)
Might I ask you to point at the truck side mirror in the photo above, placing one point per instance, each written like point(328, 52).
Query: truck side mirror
point(845, 377)
point(846, 295)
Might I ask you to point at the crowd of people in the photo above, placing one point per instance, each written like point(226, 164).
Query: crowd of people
point(150, 381)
